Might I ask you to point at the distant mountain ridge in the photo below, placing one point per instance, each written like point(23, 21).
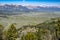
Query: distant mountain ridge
point(20, 8)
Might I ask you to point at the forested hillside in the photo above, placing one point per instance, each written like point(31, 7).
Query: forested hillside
point(48, 30)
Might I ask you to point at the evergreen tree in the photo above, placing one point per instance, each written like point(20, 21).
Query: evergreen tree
point(29, 36)
point(23, 37)
point(1, 32)
point(40, 34)
point(58, 29)
point(11, 33)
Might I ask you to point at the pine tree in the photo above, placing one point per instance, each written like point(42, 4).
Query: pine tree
point(40, 34)
point(11, 33)
point(58, 29)
point(23, 37)
point(1, 32)
point(29, 36)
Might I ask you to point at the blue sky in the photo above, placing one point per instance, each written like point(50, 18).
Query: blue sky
point(32, 2)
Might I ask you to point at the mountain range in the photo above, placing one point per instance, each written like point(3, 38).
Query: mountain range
point(6, 8)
